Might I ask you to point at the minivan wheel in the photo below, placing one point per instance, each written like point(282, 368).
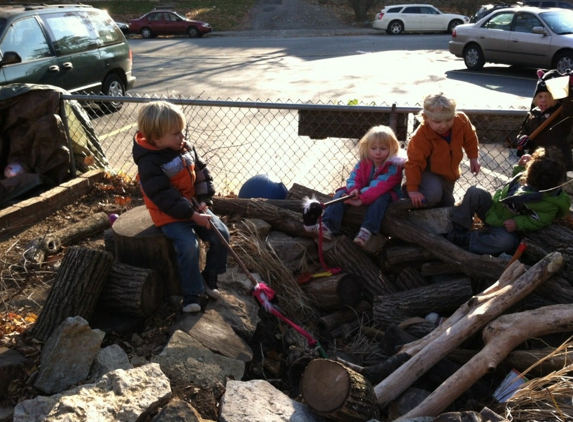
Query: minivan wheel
point(113, 86)
point(193, 32)
point(564, 62)
point(146, 32)
point(473, 57)
point(395, 28)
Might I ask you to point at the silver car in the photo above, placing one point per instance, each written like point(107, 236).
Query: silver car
point(523, 36)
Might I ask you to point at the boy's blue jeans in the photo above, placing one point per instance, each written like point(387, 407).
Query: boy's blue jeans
point(492, 240)
point(373, 215)
point(184, 235)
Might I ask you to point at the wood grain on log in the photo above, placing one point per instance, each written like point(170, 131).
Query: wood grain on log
point(539, 362)
point(89, 226)
point(337, 392)
point(409, 278)
point(553, 238)
point(76, 289)
point(329, 322)
point(131, 290)
point(439, 297)
point(500, 336)
point(404, 254)
point(473, 315)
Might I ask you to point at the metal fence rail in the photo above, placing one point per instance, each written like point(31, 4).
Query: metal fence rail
point(310, 144)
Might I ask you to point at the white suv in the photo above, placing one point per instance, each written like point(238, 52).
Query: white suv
point(416, 17)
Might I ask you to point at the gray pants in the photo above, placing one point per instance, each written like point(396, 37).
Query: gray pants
point(436, 190)
point(490, 240)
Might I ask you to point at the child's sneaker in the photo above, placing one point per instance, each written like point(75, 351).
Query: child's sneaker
point(191, 304)
point(362, 237)
point(326, 232)
point(211, 285)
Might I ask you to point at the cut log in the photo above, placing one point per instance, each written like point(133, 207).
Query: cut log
point(131, 290)
point(89, 226)
point(501, 336)
point(337, 392)
point(409, 278)
point(396, 255)
point(330, 293)
point(140, 244)
point(553, 238)
point(430, 269)
point(465, 322)
point(76, 289)
point(439, 297)
point(538, 362)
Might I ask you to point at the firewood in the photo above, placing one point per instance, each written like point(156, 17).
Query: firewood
point(337, 392)
point(89, 226)
point(439, 297)
point(433, 268)
point(330, 293)
point(409, 278)
point(500, 336)
point(76, 289)
point(404, 254)
point(329, 322)
point(465, 322)
point(553, 238)
point(538, 362)
point(130, 290)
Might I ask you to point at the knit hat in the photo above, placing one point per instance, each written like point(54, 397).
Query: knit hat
point(543, 78)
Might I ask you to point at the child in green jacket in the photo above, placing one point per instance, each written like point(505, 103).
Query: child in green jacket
point(533, 199)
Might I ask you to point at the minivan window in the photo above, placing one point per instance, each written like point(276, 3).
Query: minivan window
point(70, 32)
point(26, 38)
point(106, 28)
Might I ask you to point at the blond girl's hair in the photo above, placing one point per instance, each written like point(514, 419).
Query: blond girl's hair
point(382, 135)
point(158, 118)
point(438, 107)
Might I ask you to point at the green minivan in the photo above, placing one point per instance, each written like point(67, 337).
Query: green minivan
point(75, 47)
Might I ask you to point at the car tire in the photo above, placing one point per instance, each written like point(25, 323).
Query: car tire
point(473, 57)
point(114, 87)
point(563, 61)
point(193, 32)
point(395, 28)
point(146, 32)
point(453, 25)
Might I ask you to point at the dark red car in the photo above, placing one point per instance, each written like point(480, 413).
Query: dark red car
point(167, 22)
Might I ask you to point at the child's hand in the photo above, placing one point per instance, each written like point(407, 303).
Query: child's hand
point(355, 193)
point(510, 225)
point(354, 202)
point(524, 159)
point(417, 198)
point(203, 220)
point(474, 166)
point(203, 207)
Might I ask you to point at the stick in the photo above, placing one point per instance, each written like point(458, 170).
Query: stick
point(546, 123)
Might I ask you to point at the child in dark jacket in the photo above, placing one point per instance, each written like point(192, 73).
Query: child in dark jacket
point(544, 106)
point(170, 174)
point(533, 199)
point(374, 182)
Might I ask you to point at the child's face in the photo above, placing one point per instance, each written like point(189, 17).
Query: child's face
point(441, 127)
point(172, 140)
point(544, 100)
point(378, 153)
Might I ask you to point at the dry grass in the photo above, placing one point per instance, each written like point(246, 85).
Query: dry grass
point(547, 398)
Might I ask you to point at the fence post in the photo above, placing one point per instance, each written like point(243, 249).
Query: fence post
point(393, 119)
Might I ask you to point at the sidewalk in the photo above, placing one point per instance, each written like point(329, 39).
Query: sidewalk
point(296, 33)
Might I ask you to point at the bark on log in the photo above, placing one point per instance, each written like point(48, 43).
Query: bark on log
point(538, 362)
point(90, 226)
point(500, 337)
point(76, 289)
point(440, 298)
point(337, 392)
point(395, 225)
point(409, 278)
point(330, 293)
point(139, 243)
point(430, 269)
point(131, 290)
point(396, 255)
point(466, 322)
point(553, 238)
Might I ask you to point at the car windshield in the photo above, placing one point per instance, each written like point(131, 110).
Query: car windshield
point(179, 16)
point(560, 22)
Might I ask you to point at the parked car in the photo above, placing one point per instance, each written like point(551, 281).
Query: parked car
point(546, 4)
point(124, 27)
point(524, 36)
point(416, 17)
point(167, 22)
point(76, 47)
point(486, 9)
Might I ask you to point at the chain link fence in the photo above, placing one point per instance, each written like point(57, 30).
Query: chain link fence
point(314, 145)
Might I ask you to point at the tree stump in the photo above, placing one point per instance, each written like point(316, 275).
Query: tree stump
point(337, 392)
point(139, 243)
point(131, 290)
point(76, 289)
point(330, 293)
